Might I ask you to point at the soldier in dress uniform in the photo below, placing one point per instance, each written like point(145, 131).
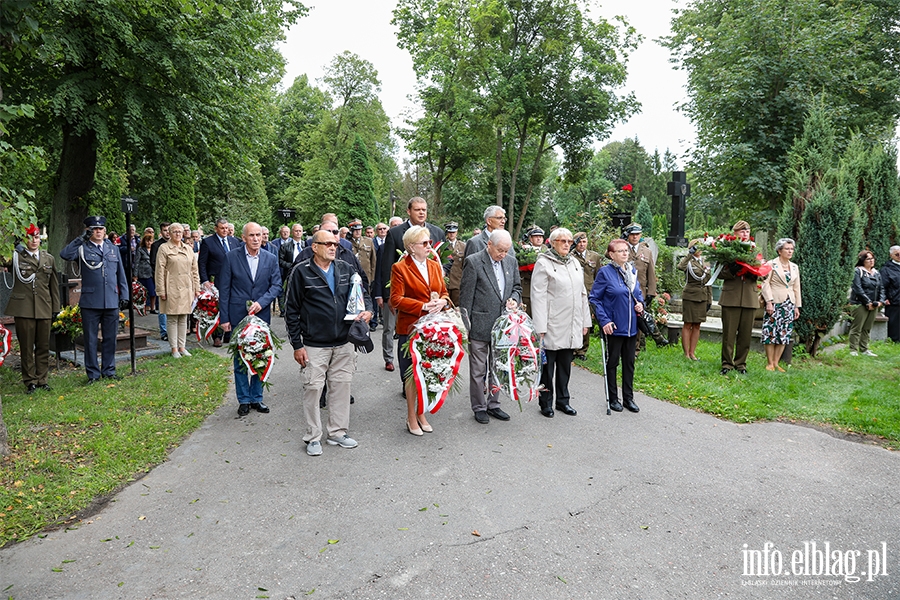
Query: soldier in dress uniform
point(453, 268)
point(104, 290)
point(534, 241)
point(640, 254)
point(33, 302)
point(590, 261)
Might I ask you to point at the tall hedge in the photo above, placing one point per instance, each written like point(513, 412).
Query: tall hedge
point(358, 192)
point(878, 197)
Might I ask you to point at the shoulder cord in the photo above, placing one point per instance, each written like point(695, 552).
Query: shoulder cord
point(693, 273)
point(18, 272)
point(87, 264)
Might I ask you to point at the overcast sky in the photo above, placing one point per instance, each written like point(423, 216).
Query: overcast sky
point(364, 28)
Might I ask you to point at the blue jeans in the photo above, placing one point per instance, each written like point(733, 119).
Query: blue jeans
point(248, 390)
point(163, 321)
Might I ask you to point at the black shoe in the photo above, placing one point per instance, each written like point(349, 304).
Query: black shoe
point(498, 414)
point(243, 409)
point(92, 381)
point(373, 326)
point(113, 377)
point(352, 399)
point(725, 371)
point(581, 357)
point(661, 342)
point(259, 407)
point(164, 337)
point(45, 386)
point(29, 389)
point(566, 409)
point(482, 417)
point(742, 371)
point(615, 405)
point(630, 405)
point(546, 409)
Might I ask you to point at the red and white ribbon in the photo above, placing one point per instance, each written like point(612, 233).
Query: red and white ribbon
point(424, 397)
point(5, 343)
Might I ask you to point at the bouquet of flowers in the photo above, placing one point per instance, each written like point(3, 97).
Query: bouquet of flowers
point(5, 342)
point(526, 255)
point(68, 321)
point(206, 312)
point(727, 248)
point(658, 309)
point(517, 355)
point(139, 296)
point(255, 344)
point(436, 349)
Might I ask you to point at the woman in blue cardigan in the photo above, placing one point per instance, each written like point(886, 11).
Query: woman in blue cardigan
point(617, 300)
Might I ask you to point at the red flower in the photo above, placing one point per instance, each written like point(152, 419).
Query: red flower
point(627, 187)
point(426, 364)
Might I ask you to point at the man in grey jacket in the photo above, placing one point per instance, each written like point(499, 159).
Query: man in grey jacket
point(490, 281)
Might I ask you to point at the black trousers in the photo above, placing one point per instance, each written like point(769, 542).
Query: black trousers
point(559, 363)
point(619, 346)
point(92, 320)
point(892, 312)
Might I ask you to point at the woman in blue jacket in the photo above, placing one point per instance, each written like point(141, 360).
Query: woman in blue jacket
point(617, 300)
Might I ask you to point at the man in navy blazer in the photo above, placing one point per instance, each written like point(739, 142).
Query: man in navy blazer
point(212, 256)
point(249, 275)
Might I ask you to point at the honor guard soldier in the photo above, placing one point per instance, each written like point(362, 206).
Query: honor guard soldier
point(33, 302)
point(104, 290)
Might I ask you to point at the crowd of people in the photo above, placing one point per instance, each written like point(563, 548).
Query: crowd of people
point(309, 280)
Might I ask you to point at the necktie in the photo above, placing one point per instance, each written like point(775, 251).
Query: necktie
point(499, 275)
point(225, 244)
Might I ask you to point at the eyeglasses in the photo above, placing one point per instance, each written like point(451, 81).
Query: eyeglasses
point(424, 243)
point(334, 231)
point(501, 218)
point(565, 241)
point(329, 244)
point(382, 229)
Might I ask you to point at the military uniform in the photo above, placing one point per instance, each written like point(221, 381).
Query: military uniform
point(590, 262)
point(33, 302)
point(364, 249)
point(103, 287)
point(642, 258)
point(456, 269)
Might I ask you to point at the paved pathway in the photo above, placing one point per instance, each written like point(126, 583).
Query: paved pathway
point(655, 505)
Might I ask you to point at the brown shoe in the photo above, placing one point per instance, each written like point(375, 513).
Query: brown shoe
point(217, 343)
point(388, 366)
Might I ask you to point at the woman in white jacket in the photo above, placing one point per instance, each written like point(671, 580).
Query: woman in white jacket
point(561, 317)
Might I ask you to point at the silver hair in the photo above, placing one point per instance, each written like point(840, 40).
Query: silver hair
point(558, 232)
point(394, 221)
point(781, 243)
point(176, 226)
point(490, 211)
point(893, 249)
point(500, 236)
point(248, 224)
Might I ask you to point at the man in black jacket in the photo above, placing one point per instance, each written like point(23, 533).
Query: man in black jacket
point(890, 278)
point(316, 304)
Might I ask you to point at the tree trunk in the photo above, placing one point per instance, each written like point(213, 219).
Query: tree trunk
point(511, 211)
point(75, 178)
point(499, 166)
point(534, 169)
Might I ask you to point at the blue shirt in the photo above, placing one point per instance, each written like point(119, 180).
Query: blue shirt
point(329, 275)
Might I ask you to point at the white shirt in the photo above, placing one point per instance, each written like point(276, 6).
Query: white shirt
point(253, 263)
point(423, 269)
point(498, 273)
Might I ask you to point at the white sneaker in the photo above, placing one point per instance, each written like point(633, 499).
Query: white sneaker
point(854, 353)
point(185, 352)
point(344, 442)
point(870, 353)
point(176, 354)
point(314, 449)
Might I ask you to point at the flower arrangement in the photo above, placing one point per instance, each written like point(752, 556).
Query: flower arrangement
point(255, 344)
point(206, 313)
point(437, 351)
point(139, 297)
point(526, 255)
point(658, 309)
point(516, 349)
point(727, 249)
point(68, 322)
point(5, 343)
point(619, 199)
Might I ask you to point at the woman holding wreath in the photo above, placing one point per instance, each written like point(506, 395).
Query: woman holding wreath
point(781, 292)
point(417, 289)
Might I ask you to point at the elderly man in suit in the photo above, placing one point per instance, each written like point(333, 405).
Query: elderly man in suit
point(104, 289)
point(33, 302)
point(490, 281)
point(249, 276)
point(417, 209)
point(213, 249)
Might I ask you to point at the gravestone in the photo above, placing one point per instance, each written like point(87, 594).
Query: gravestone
point(679, 189)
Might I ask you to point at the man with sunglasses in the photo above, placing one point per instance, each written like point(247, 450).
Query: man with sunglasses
point(317, 295)
point(417, 209)
point(33, 302)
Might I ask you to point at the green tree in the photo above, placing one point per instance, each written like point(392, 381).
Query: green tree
point(160, 78)
point(357, 194)
point(644, 217)
point(820, 213)
point(754, 68)
point(175, 202)
point(878, 197)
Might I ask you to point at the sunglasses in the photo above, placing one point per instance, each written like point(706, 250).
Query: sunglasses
point(329, 244)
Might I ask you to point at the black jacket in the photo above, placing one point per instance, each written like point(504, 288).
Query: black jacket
point(315, 316)
point(890, 278)
point(867, 289)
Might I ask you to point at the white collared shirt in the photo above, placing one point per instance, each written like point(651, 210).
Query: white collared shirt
point(252, 263)
point(498, 273)
point(423, 269)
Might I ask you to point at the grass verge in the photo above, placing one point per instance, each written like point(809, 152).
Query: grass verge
point(78, 443)
point(850, 394)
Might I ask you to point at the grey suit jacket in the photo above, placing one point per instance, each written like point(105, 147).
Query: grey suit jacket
point(479, 295)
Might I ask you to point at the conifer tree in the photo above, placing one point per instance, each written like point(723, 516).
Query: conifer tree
point(644, 217)
point(358, 194)
point(176, 202)
point(879, 200)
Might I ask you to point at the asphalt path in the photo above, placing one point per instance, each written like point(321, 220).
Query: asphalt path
point(667, 503)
